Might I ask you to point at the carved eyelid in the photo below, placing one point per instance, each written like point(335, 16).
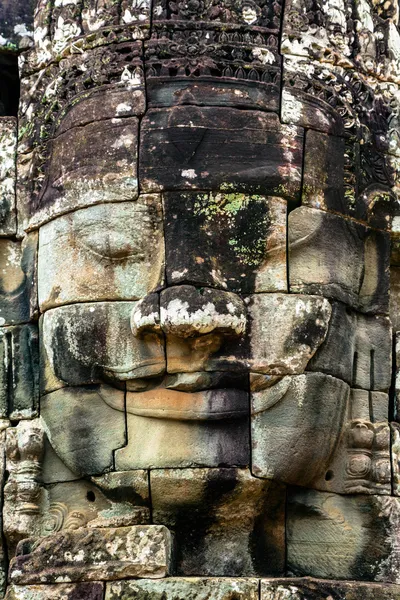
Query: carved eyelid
point(113, 247)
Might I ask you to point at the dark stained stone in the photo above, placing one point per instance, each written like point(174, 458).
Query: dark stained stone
point(249, 253)
point(225, 522)
point(16, 24)
point(364, 345)
point(188, 147)
point(323, 178)
point(346, 537)
point(19, 372)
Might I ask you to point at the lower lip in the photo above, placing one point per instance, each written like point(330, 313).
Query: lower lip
point(208, 405)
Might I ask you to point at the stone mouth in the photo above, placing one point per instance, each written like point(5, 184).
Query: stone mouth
point(197, 381)
point(163, 403)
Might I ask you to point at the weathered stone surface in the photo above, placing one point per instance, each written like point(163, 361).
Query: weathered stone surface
point(395, 454)
point(105, 252)
point(346, 537)
point(19, 372)
point(116, 355)
point(219, 148)
point(4, 551)
point(98, 503)
point(295, 426)
point(17, 279)
point(364, 345)
point(282, 334)
point(187, 429)
point(339, 259)
point(23, 494)
point(225, 521)
point(249, 253)
point(394, 297)
point(94, 554)
point(323, 179)
point(90, 164)
point(8, 150)
point(318, 589)
point(61, 591)
point(186, 311)
point(16, 24)
point(360, 463)
point(76, 419)
point(285, 331)
point(222, 62)
point(193, 588)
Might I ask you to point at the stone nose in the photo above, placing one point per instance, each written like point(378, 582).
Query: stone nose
point(186, 311)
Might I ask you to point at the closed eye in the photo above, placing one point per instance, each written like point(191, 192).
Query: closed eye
point(111, 245)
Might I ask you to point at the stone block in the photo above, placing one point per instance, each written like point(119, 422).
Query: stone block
point(85, 426)
point(94, 555)
point(61, 591)
point(249, 253)
point(17, 280)
point(23, 493)
point(364, 343)
point(394, 298)
point(170, 428)
point(345, 537)
point(19, 372)
point(285, 331)
point(93, 342)
point(176, 588)
point(104, 252)
point(339, 259)
point(8, 151)
point(112, 500)
point(89, 165)
point(188, 147)
point(319, 589)
point(323, 179)
point(225, 522)
point(295, 427)
point(395, 454)
point(360, 462)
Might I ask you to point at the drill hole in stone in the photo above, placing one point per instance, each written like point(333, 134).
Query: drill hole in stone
point(91, 497)
point(329, 476)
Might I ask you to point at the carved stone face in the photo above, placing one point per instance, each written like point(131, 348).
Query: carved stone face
point(213, 223)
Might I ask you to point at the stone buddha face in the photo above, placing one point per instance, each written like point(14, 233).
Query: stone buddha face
point(213, 273)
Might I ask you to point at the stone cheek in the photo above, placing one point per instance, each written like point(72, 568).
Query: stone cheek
point(338, 258)
point(92, 342)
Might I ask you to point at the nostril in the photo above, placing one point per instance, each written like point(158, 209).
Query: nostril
point(145, 316)
point(186, 311)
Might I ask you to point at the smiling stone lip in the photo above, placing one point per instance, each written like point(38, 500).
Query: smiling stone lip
point(207, 405)
point(190, 382)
